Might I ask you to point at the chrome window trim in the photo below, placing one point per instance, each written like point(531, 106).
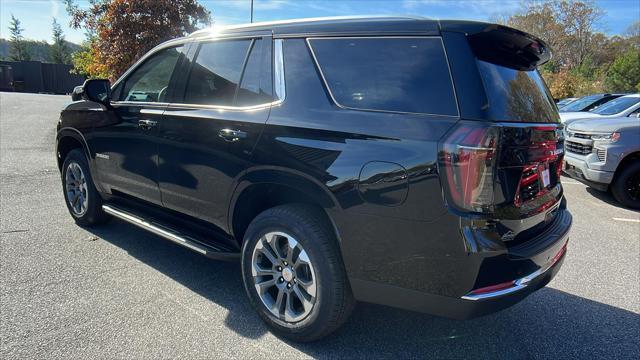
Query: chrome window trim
point(278, 70)
point(279, 83)
point(138, 103)
point(223, 107)
point(333, 99)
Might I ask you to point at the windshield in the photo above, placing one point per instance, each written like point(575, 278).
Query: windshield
point(581, 103)
point(616, 105)
point(516, 95)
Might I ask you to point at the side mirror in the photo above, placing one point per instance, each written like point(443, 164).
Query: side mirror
point(98, 90)
point(76, 94)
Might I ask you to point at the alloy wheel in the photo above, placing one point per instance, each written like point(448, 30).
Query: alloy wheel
point(76, 189)
point(283, 276)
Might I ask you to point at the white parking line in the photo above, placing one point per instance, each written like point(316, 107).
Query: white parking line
point(627, 220)
point(571, 183)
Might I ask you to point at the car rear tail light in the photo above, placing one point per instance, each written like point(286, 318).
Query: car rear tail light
point(468, 159)
point(488, 166)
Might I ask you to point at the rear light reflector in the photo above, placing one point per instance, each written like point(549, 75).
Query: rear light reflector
point(557, 257)
point(493, 288)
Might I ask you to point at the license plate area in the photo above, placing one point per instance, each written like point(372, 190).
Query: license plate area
point(545, 177)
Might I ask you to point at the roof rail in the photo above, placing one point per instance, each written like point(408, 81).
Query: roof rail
point(249, 26)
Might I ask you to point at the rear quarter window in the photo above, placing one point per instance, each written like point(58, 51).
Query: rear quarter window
point(387, 74)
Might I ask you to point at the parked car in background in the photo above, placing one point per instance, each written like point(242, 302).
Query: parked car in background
point(565, 102)
point(605, 154)
point(588, 102)
point(627, 105)
point(337, 161)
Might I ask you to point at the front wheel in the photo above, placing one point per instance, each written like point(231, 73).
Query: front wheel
point(293, 272)
point(626, 186)
point(82, 198)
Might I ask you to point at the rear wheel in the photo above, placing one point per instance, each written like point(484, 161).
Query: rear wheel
point(626, 186)
point(293, 272)
point(82, 198)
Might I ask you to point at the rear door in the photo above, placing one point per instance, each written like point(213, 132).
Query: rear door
point(207, 135)
point(125, 141)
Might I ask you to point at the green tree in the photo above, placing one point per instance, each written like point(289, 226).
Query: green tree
point(59, 51)
point(624, 73)
point(121, 31)
point(18, 48)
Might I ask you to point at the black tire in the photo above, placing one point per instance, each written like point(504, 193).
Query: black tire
point(626, 185)
point(93, 214)
point(313, 232)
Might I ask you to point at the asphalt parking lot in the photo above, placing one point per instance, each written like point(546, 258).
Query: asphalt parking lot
point(119, 292)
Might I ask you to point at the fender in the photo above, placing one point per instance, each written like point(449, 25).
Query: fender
point(77, 135)
point(300, 181)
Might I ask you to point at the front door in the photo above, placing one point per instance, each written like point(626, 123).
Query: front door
point(126, 144)
point(207, 136)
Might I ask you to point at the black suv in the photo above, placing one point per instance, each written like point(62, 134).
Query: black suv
point(400, 161)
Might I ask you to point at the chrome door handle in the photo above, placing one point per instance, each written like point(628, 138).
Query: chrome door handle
point(232, 135)
point(147, 124)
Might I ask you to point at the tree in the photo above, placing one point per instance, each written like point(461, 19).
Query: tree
point(624, 73)
point(18, 48)
point(579, 19)
point(59, 51)
point(121, 31)
point(582, 55)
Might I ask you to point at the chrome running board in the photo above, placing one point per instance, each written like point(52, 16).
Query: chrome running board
point(171, 234)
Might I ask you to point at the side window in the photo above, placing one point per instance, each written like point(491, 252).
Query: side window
point(150, 81)
point(252, 89)
point(216, 72)
point(387, 74)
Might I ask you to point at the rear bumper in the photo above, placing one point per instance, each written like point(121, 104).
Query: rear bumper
point(528, 266)
point(455, 308)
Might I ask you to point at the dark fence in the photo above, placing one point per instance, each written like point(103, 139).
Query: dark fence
point(37, 77)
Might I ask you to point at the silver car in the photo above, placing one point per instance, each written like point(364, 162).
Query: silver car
point(605, 154)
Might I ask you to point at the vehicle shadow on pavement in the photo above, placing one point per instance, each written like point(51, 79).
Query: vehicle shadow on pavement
point(548, 324)
point(607, 198)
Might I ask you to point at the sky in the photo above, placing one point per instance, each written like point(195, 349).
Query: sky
point(36, 15)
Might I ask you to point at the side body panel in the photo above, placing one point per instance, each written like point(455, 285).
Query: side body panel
point(126, 153)
point(199, 163)
point(399, 234)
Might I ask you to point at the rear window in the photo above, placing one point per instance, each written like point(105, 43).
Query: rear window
point(387, 74)
point(616, 105)
point(517, 95)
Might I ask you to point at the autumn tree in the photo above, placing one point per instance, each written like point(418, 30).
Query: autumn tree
point(59, 51)
point(579, 19)
point(582, 56)
point(121, 31)
point(18, 48)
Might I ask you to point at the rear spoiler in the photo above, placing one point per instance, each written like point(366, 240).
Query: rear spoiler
point(502, 45)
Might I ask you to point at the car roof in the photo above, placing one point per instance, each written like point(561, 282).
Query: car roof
point(631, 96)
point(347, 25)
